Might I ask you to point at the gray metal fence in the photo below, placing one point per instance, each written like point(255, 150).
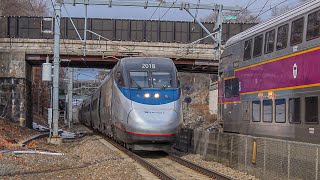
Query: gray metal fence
point(264, 158)
point(116, 29)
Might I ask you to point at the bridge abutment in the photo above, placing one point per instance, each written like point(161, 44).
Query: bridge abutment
point(15, 88)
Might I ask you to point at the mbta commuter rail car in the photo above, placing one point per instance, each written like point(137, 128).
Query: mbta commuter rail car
point(270, 77)
point(138, 104)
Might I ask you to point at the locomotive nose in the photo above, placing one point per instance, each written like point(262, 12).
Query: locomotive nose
point(154, 121)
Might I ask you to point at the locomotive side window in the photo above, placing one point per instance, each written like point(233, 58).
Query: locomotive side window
point(297, 31)
point(282, 37)
point(257, 49)
point(247, 49)
point(119, 78)
point(294, 110)
point(313, 27)
point(235, 87)
point(269, 41)
point(227, 88)
point(256, 110)
point(267, 111)
point(280, 110)
point(311, 109)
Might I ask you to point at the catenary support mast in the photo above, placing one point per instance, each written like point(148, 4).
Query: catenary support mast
point(55, 139)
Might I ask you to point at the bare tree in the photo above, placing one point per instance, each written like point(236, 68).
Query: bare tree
point(24, 8)
point(243, 16)
point(278, 10)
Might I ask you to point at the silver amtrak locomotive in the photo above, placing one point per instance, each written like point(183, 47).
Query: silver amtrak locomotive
point(138, 104)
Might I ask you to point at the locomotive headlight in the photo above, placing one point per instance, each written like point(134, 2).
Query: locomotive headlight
point(156, 95)
point(146, 95)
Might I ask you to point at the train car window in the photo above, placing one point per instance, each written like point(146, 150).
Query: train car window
point(269, 41)
point(161, 80)
point(280, 110)
point(256, 111)
point(297, 31)
point(313, 27)
point(282, 37)
point(294, 110)
point(227, 88)
point(235, 87)
point(247, 49)
point(257, 49)
point(267, 111)
point(139, 79)
point(311, 108)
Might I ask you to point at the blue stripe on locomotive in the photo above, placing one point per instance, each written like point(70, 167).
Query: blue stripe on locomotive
point(137, 95)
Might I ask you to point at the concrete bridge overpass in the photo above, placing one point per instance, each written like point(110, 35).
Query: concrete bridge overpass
point(112, 39)
point(105, 54)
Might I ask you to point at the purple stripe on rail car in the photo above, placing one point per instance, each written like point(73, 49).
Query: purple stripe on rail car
point(280, 74)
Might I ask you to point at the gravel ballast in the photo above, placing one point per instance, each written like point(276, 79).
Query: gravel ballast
point(85, 158)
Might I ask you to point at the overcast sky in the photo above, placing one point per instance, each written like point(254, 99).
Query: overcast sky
point(173, 14)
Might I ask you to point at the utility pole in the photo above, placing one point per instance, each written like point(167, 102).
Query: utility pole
point(55, 138)
point(70, 98)
point(218, 26)
point(85, 29)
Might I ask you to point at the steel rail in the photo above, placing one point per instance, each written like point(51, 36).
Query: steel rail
point(150, 167)
point(202, 170)
point(158, 172)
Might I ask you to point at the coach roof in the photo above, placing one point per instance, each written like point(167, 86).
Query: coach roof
point(304, 8)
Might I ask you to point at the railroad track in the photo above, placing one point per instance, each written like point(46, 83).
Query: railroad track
point(168, 166)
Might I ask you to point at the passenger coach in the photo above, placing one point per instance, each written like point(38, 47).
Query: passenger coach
point(270, 77)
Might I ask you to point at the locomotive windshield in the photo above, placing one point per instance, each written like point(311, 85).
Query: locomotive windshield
point(139, 79)
point(161, 80)
point(143, 79)
point(140, 73)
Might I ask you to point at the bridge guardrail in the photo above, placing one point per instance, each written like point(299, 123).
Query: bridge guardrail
point(116, 29)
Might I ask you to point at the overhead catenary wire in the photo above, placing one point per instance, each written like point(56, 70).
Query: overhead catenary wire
point(74, 26)
point(246, 8)
point(261, 11)
point(169, 9)
point(278, 4)
point(256, 10)
point(273, 7)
